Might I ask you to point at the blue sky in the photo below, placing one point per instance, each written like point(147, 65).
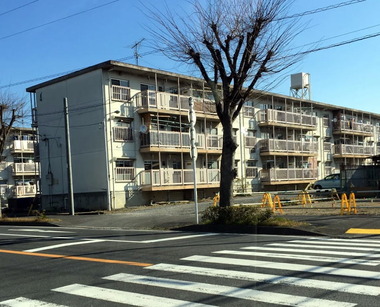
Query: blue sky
point(38, 38)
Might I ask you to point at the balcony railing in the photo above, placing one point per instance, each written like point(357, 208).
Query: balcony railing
point(124, 173)
point(122, 134)
point(286, 118)
point(288, 146)
point(168, 101)
point(20, 191)
point(288, 174)
point(350, 126)
point(25, 169)
point(347, 149)
point(23, 146)
point(166, 177)
point(121, 93)
point(180, 139)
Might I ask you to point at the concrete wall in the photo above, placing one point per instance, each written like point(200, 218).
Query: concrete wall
point(86, 116)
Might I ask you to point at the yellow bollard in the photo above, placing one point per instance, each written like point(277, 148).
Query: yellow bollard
point(267, 201)
point(353, 203)
point(278, 202)
point(344, 205)
point(216, 200)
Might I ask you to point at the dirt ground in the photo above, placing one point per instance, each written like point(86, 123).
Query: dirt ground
point(331, 207)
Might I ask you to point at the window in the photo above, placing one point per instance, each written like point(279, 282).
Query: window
point(120, 90)
point(124, 170)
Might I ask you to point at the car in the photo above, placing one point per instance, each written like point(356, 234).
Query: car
point(329, 182)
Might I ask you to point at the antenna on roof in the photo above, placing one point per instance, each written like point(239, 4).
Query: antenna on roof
point(136, 53)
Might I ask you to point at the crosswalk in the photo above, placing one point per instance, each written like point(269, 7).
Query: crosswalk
point(300, 272)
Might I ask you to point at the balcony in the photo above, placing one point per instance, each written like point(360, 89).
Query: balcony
point(353, 151)
point(121, 93)
point(173, 141)
point(352, 127)
point(288, 147)
point(22, 191)
point(270, 117)
point(172, 179)
point(22, 146)
point(122, 134)
point(167, 101)
point(25, 169)
point(288, 175)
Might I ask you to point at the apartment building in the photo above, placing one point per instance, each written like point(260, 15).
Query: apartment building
point(130, 143)
point(19, 172)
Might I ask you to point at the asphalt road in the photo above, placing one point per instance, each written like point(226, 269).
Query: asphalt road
point(103, 267)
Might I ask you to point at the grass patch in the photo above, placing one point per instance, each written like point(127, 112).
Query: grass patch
point(31, 219)
point(236, 215)
point(283, 222)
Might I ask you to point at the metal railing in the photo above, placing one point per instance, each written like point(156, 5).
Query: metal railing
point(180, 139)
point(283, 117)
point(169, 101)
point(288, 174)
point(122, 134)
point(165, 177)
point(25, 168)
point(124, 173)
point(350, 126)
point(22, 145)
point(304, 147)
point(121, 93)
point(347, 149)
point(20, 191)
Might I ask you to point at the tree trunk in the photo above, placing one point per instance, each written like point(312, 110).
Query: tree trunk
point(227, 169)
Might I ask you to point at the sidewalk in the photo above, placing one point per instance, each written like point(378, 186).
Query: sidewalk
point(182, 217)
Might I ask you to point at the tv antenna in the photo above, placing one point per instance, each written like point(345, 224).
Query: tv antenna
point(136, 53)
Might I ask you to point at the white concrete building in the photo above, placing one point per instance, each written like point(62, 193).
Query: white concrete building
point(130, 145)
point(19, 172)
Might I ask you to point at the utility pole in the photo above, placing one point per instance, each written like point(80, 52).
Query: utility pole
point(68, 156)
point(193, 153)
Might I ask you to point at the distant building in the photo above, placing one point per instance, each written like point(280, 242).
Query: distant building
point(130, 142)
point(19, 171)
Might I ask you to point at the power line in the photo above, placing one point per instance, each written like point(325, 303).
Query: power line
point(59, 19)
point(322, 9)
point(19, 7)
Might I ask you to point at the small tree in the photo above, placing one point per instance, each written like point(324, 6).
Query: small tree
point(234, 44)
point(11, 108)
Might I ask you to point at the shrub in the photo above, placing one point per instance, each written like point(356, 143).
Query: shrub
point(235, 215)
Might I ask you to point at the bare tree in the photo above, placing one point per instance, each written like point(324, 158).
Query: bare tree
point(11, 108)
point(234, 44)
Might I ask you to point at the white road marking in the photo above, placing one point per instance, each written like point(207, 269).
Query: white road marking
point(328, 242)
point(29, 236)
point(311, 246)
point(38, 230)
point(61, 245)
point(234, 292)
point(287, 266)
point(301, 257)
point(269, 278)
point(180, 238)
point(123, 297)
point(310, 251)
point(345, 240)
point(26, 302)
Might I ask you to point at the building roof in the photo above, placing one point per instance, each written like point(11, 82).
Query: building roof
point(140, 70)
